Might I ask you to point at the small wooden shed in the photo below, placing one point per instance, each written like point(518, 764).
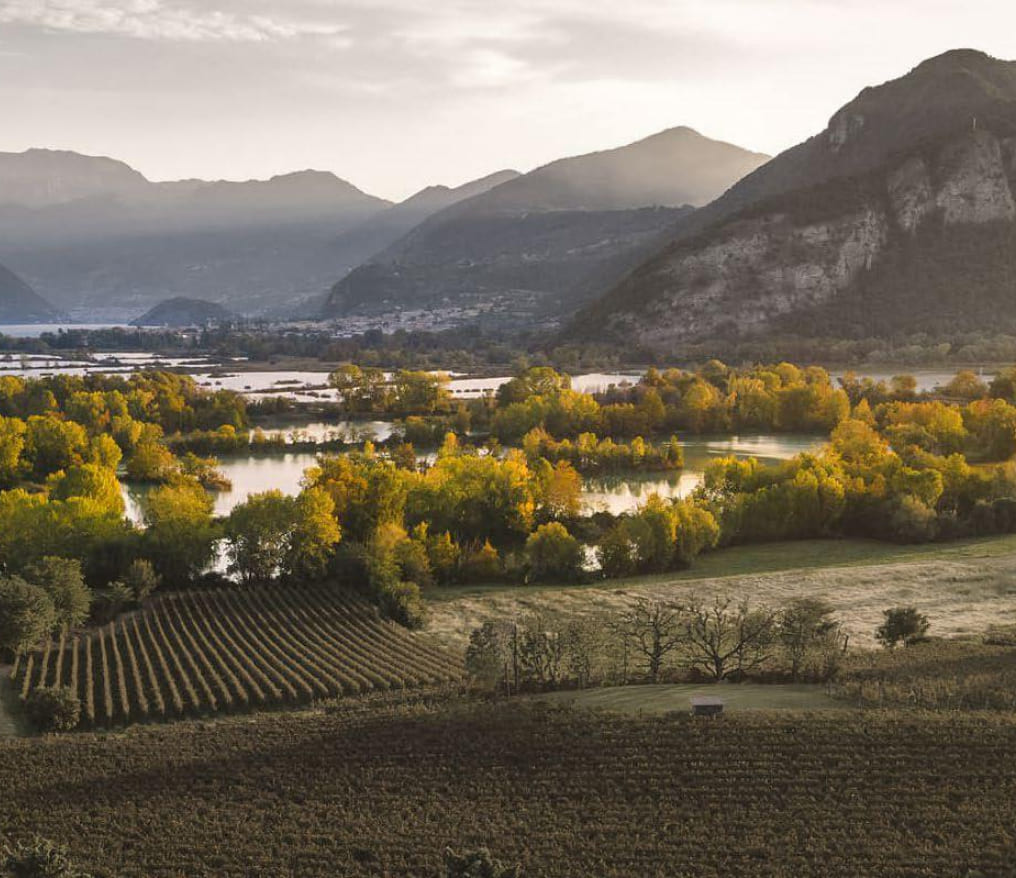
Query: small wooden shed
point(706, 705)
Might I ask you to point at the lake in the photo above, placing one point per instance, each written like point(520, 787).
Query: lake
point(622, 493)
point(616, 494)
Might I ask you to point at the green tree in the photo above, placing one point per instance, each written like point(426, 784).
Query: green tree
point(62, 580)
point(258, 533)
point(904, 625)
point(27, 615)
point(141, 578)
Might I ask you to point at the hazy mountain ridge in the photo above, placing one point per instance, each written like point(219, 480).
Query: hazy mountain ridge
point(19, 303)
point(99, 237)
point(832, 236)
point(96, 236)
point(548, 240)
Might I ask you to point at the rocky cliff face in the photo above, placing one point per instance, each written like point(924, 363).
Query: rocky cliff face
point(926, 236)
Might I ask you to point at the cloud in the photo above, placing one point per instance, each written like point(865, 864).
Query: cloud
point(157, 20)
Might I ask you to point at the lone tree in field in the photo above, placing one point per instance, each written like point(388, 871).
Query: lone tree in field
point(654, 630)
point(902, 625)
point(724, 637)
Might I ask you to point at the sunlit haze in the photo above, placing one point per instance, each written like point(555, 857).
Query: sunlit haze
point(398, 94)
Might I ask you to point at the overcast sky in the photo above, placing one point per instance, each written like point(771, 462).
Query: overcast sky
point(397, 94)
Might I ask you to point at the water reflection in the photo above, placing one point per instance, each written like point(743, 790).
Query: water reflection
point(616, 494)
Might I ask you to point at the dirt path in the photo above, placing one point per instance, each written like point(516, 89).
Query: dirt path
point(9, 726)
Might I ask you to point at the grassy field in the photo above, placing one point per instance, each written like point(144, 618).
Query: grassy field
point(664, 698)
point(565, 792)
point(963, 587)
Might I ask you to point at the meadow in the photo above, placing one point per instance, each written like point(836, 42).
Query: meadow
point(963, 587)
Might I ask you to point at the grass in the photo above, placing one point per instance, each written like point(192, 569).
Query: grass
point(663, 698)
point(776, 557)
point(963, 586)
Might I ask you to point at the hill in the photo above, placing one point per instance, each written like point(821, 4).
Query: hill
point(20, 304)
point(537, 246)
point(98, 238)
point(899, 217)
point(182, 311)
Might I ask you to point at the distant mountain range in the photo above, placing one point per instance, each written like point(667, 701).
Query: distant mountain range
point(20, 304)
point(97, 237)
point(900, 217)
point(540, 244)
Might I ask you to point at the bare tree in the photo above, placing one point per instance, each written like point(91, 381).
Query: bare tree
point(724, 637)
point(540, 649)
point(654, 630)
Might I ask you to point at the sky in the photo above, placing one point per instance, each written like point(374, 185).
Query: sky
point(394, 95)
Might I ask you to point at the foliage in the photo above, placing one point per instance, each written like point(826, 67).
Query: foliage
point(181, 535)
point(62, 580)
point(53, 709)
point(141, 579)
point(27, 614)
point(553, 554)
point(904, 625)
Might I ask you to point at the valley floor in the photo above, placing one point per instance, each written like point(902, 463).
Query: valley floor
point(963, 587)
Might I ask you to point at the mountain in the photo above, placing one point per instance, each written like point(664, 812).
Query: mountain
point(20, 304)
point(182, 311)
point(899, 217)
point(538, 245)
point(97, 237)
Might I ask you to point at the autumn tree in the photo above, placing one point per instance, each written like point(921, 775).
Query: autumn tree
point(181, 535)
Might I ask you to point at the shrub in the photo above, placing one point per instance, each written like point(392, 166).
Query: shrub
point(553, 553)
point(141, 578)
point(902, 625)
point(55, 709)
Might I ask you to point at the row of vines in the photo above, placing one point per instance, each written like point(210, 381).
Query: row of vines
point(199, 653)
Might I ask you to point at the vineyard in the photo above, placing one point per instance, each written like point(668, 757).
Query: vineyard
point(199, 653)
point(359, 790)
